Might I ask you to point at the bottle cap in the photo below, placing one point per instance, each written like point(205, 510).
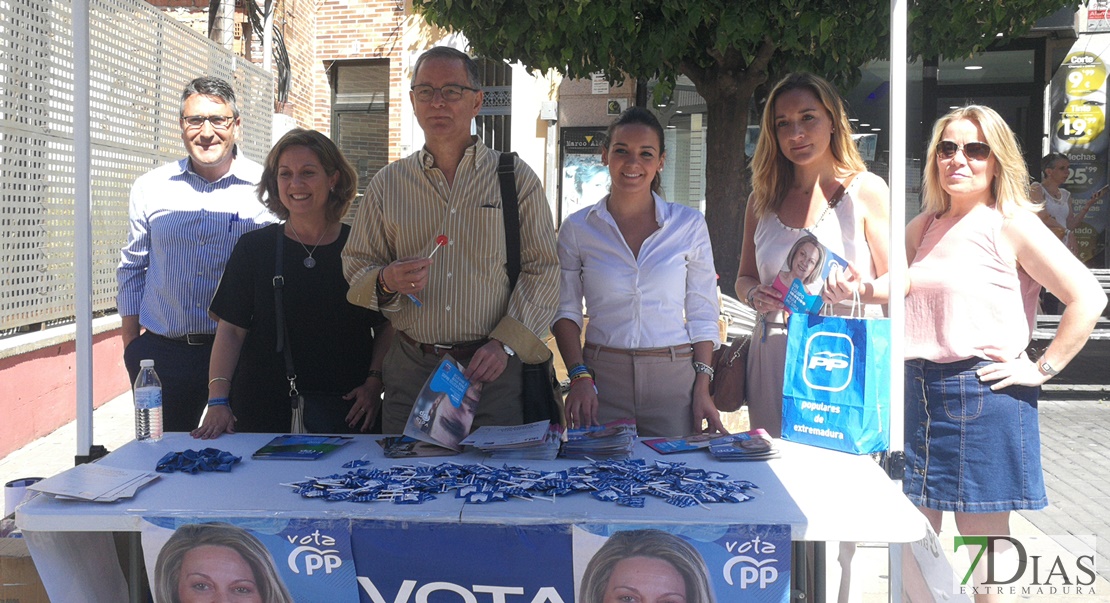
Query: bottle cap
point(148, 363)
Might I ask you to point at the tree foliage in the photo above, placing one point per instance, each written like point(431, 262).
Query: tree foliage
point(728, 48)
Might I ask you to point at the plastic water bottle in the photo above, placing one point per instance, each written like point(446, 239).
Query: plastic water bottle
point(148, 404)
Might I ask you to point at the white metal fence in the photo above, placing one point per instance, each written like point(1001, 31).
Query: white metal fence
point(140, 62)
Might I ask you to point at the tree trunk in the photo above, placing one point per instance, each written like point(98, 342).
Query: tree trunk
point(727, 183)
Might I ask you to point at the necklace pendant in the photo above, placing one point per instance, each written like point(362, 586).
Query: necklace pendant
point(309, 262)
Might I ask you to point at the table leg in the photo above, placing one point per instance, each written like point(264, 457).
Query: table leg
point(135, 567)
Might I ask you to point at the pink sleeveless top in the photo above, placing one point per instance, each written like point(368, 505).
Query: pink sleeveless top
point(966, 300)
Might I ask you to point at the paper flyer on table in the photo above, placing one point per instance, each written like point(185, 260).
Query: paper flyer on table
point(444, 410)
point(94, 482)
point(509, 435)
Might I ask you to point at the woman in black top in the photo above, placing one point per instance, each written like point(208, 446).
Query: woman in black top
point(309, 184)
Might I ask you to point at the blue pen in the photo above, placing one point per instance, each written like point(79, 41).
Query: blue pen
point(234, 218)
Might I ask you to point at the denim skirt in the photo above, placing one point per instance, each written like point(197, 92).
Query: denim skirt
point(969, 449)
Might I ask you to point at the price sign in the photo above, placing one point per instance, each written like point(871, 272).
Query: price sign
point(1082, 121)
point(1085, 74)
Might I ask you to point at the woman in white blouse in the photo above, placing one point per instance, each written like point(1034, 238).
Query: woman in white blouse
point(645, 269)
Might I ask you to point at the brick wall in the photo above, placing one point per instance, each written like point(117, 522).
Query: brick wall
point(348, 30)
point(298, 20)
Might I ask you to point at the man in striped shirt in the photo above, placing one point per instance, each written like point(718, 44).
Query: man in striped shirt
point(185, 218)
point(461, 301)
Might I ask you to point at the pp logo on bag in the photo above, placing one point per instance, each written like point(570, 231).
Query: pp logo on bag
point(829, 361)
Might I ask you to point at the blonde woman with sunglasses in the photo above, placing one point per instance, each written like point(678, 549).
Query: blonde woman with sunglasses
point(978, 257)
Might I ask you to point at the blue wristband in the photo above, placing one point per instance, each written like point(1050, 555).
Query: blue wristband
point(219, 402)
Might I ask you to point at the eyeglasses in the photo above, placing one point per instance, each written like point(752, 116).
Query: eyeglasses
point(979, 151)
point(219, 122)
point(450, 93)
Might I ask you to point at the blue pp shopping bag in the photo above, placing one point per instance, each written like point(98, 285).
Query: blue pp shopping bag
point(836, 388)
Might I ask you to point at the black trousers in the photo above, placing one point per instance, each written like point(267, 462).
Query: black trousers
point(183, 370)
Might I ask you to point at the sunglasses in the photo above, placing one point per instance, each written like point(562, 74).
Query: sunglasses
point(979, 151)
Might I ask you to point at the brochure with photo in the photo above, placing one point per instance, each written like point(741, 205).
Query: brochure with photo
point(802, 277)
point(300, 446)
point(754, 445)
point(445, 408)
point(696, 441)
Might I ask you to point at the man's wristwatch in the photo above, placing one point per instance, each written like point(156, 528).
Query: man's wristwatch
point(508, 350)
point(1046, 368)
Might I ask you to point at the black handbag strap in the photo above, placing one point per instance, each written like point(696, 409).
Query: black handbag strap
point(282, 334)
point(510, 213)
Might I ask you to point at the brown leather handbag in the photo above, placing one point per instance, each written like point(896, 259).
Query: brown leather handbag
point(730, 365)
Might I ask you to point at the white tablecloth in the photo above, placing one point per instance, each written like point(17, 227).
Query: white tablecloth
point(822, 495)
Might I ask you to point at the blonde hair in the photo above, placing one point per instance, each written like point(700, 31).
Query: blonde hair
point(1010, 184)
point(772, 172)
point(654, 544)
point(167, 569)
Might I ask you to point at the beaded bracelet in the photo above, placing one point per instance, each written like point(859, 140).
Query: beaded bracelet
point(383, 288)
point(578, 369)
point(219, 402)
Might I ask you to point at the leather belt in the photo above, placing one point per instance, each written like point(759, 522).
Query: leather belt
point(465, 349)
point(191, 338)
point(676, 351)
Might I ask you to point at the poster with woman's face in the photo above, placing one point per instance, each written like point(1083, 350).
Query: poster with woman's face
point(194, 560)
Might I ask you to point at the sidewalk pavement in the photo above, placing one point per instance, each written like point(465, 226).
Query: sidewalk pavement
point(1075, 448)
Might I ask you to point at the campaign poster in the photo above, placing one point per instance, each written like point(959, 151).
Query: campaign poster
point(585, 180)
point(1078, 93)
point(741, 563)
point(299, 560)
point(401, 562)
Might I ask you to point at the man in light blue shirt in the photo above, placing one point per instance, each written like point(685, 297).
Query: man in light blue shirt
point(186, 217)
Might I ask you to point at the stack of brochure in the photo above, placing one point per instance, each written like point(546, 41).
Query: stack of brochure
point(613, 440)
point(753, 445)
point(94, 482)
point(535, 441)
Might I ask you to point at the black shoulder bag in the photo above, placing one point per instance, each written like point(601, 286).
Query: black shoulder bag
point(312, 412)
point(541, 396)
